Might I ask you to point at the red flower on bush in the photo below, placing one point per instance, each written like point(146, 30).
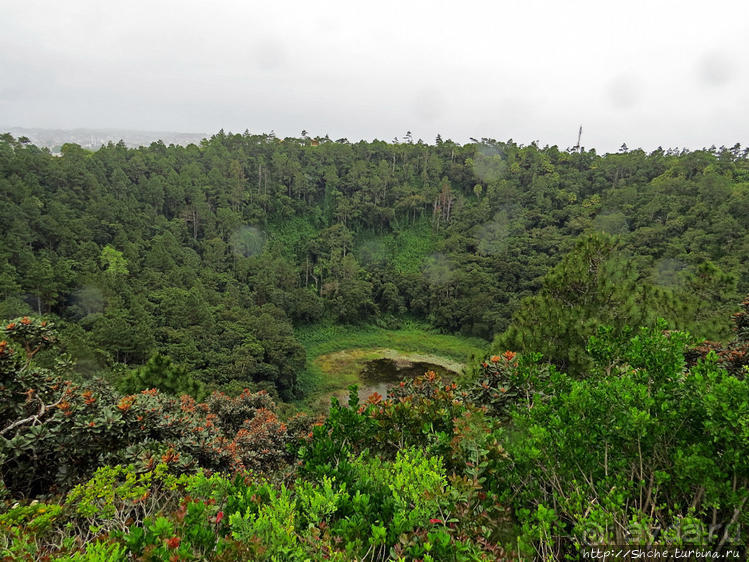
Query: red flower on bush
point(170, 456)
point(173, 542)
point(435, 521)
point(125, 403)
point(219, 517)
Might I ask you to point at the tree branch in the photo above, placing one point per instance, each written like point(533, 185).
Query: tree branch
point(43, 409)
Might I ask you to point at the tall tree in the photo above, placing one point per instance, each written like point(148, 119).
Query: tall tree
point(595, 284)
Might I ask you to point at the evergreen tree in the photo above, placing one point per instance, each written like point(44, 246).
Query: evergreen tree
point(159, 372)
point(593, 285)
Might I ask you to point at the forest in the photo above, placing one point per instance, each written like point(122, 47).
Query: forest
point(169, 315)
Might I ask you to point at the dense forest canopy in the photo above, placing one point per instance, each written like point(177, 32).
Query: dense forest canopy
point(211, 254)
point(161, 302)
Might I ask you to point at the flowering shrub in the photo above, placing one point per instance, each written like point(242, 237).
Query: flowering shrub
point(51, 429)
point(55, 433)
point(192, 434)
point(521, 461)
point(507, 380)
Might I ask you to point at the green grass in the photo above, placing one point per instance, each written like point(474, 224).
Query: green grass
point(329, 370)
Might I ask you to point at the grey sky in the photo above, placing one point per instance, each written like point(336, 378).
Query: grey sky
point(670, 73)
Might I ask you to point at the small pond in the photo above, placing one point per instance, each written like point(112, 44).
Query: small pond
point(378, 374)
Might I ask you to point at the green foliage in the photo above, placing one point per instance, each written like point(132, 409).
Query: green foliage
point(405, 250)
point(396, 508)
point(109, 502)
point(161, 373)
point(319, 503)
point(373, 481)
point(98, 552)
point(37, 518)
point(423, 413)
point(709, 294)
point(330, 449)
point(410, 336)
point(647, 443)
point(113, 261)
point(214, 255)
point(273, 524)
point(508, 380)
point(181, 250)
point(116, 495)
point(734, 355)
point(592, 286)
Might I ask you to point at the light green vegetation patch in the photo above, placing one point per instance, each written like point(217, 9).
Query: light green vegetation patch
point(406, 249)
point(292, 235)
point(336, 354)
point(349, 359)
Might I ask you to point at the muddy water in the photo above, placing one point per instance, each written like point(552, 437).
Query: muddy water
point(378, 374)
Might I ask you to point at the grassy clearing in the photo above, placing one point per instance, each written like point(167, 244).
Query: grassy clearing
point(336, 354)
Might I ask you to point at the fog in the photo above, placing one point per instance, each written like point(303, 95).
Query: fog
point(646, 74)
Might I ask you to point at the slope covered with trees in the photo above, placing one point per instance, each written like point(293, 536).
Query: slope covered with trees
point(158, 299)
point(211, 254)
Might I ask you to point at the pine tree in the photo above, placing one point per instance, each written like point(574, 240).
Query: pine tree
point(161, 373)
point(593, 285)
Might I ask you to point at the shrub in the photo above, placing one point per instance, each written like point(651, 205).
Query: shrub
point(55, 434)
point(641, 445)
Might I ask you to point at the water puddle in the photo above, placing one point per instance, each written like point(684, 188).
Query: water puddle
point(378, 374)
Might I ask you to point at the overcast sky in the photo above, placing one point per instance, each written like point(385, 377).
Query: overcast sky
point(648, 73)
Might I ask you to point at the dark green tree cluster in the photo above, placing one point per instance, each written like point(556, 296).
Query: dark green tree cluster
point(160, 373)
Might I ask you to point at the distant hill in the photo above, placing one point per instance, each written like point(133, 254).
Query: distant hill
point(94, 138)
